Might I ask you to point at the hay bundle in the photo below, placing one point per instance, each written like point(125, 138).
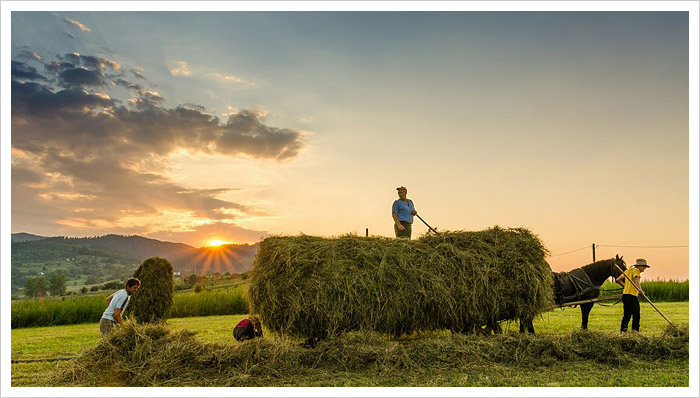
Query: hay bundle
point(310, 287)
point(152, 302)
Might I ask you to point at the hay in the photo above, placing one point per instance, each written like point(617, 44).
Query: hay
point(152, 302)
point(152, 355)
point(310, 287)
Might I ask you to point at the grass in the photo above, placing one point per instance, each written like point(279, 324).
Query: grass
point(656, 290)
point(58, 341)
point(88, 309)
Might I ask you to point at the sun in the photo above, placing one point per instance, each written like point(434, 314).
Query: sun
point(216, 242)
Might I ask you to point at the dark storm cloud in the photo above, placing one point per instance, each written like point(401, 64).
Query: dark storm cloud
point(22, 71)
point(32, 100)
point(245, 133)
point(127, 84)
point(55, 67)
point(90, 61)
point(110, 155)
point(81, 77)
point(195, 107)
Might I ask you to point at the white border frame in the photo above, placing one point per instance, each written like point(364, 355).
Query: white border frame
point(694, 198)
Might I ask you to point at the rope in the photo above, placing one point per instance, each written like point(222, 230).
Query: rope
point(561, 254)
point(643, 247)
point(41, 360)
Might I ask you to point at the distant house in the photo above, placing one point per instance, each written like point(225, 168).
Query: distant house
point(176, 273)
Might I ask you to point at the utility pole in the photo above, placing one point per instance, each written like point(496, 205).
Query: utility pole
point(366, 232)
point(593, 246)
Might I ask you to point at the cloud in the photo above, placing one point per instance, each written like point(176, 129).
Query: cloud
point(25, 176)
point(77, 25)
point(22, 71)
point(30, 55)
point(151, 95)
point(228, 78)
point(138, 73)
point(182, 69)
point(245, 133)
point(92, 160)
point(81, 76)
point(127, 84)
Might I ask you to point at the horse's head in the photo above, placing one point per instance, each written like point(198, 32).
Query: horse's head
point(615, 271)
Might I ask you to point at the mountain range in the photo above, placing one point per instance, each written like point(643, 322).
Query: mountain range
point(184, 258)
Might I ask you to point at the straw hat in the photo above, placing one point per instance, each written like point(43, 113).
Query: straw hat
point(642, 263)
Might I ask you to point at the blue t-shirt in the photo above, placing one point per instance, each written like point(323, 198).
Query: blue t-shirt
point(403, 210)
point(120, 299)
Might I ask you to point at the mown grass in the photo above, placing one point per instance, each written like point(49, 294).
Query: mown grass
point(69, 340)
point(154, 355)
point(32, 313)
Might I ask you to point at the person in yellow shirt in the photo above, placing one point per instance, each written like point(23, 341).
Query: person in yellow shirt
point(630, 299)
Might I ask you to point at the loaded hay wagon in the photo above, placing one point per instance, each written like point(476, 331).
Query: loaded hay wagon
point(313, 287)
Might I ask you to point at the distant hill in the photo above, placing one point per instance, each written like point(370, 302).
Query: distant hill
point(185, 258)
point(25, 237)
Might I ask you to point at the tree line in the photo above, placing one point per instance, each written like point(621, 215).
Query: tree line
point(39, 286)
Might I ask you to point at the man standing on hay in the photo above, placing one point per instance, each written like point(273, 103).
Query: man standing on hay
point(116, 304)
point(403, 211)
point(630, 299)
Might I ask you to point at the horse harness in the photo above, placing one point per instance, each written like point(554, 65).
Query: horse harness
point(581, 286)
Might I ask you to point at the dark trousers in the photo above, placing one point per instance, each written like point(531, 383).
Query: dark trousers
point(406, 233)
point(630, 304)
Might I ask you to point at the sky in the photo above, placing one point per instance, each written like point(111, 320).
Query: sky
point(189, 127)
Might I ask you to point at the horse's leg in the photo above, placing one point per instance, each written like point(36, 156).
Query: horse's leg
point(585, 311)
point(494, 328)
point(497, 328)
point(526, 324)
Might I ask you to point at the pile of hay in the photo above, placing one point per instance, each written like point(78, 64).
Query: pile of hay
point(312, 287)
point(153, 300)
point(152, 355)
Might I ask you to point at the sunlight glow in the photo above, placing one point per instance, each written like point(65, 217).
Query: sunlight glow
point(216, 242)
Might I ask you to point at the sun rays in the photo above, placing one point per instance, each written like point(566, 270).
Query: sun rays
point(217, 257)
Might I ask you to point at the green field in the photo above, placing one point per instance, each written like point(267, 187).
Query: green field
point(62, 341)
point(89, 308)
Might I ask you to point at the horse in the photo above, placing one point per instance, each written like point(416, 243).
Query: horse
point(581, 284)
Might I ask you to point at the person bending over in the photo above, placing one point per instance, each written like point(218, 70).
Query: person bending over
point(116, 304)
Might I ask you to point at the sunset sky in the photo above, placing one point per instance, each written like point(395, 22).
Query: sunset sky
point(190, 127)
